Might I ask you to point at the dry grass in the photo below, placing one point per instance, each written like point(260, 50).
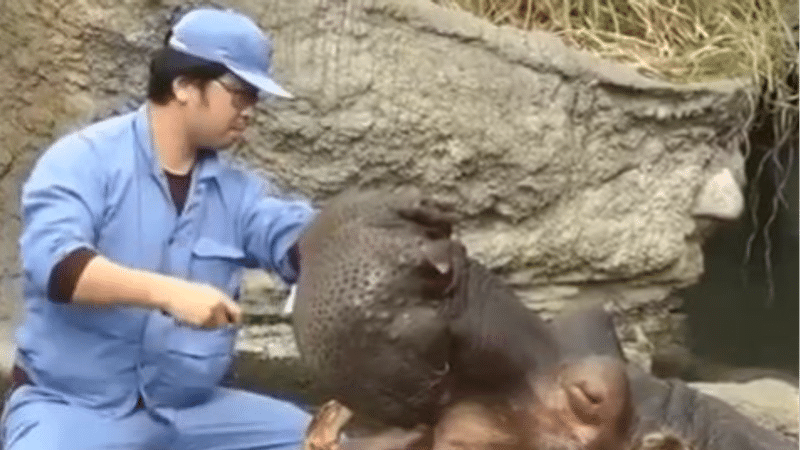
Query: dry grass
point(680, 40)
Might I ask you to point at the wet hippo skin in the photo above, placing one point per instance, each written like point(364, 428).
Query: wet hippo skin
point(582, 404)
point(705, 422)
point(369, 319)
point(394, 318)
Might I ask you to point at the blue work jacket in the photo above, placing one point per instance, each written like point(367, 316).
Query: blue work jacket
point(102, 188)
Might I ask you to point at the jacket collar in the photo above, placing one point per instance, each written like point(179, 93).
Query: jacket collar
point(207, 164)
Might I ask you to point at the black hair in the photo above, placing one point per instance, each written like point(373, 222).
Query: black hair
point(168, 64)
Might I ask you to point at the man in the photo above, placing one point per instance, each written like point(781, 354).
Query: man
point(135, 233)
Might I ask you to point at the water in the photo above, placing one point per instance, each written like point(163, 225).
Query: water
point(745, 311)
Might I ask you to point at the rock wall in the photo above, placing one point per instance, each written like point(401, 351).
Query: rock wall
point(578, 179)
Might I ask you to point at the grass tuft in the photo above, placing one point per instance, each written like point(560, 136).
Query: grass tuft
point(679, 40)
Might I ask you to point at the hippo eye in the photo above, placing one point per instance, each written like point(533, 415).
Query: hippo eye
point(584, 403)
point(594, 399)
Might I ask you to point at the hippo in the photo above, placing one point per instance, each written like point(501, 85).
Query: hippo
point(583, 404)
point(388, 306)
point(705, 422)
point(610, 406)
point(401, 326)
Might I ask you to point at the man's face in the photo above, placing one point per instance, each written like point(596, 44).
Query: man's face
point(223, 111)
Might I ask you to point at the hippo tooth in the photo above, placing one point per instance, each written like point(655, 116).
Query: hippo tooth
point(288, 306)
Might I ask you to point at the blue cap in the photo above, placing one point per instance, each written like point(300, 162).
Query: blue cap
point(231, 39)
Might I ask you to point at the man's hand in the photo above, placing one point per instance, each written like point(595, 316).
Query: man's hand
point(196, 304)
point(106, 283)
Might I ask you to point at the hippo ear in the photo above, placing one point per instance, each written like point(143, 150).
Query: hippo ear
point(436, 222)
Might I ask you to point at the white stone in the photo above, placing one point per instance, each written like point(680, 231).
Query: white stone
point(720, 198)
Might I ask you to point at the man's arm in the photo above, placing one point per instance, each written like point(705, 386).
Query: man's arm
point(103, 282)
point(62, 207)
point(272, 227)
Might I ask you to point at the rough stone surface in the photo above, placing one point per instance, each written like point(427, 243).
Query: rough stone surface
point(771, 403)
point(273, 341)
point(263, 296)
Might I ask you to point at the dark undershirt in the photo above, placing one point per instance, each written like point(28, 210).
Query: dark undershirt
point(179, 189)
point(65, 274)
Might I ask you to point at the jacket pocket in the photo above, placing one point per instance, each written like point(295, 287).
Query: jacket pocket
point(217, 263)
point(191, 364)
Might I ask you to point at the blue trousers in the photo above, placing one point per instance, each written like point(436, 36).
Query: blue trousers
point(229, 420)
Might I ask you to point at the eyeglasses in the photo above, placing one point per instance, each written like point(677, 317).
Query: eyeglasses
point(241, 97)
